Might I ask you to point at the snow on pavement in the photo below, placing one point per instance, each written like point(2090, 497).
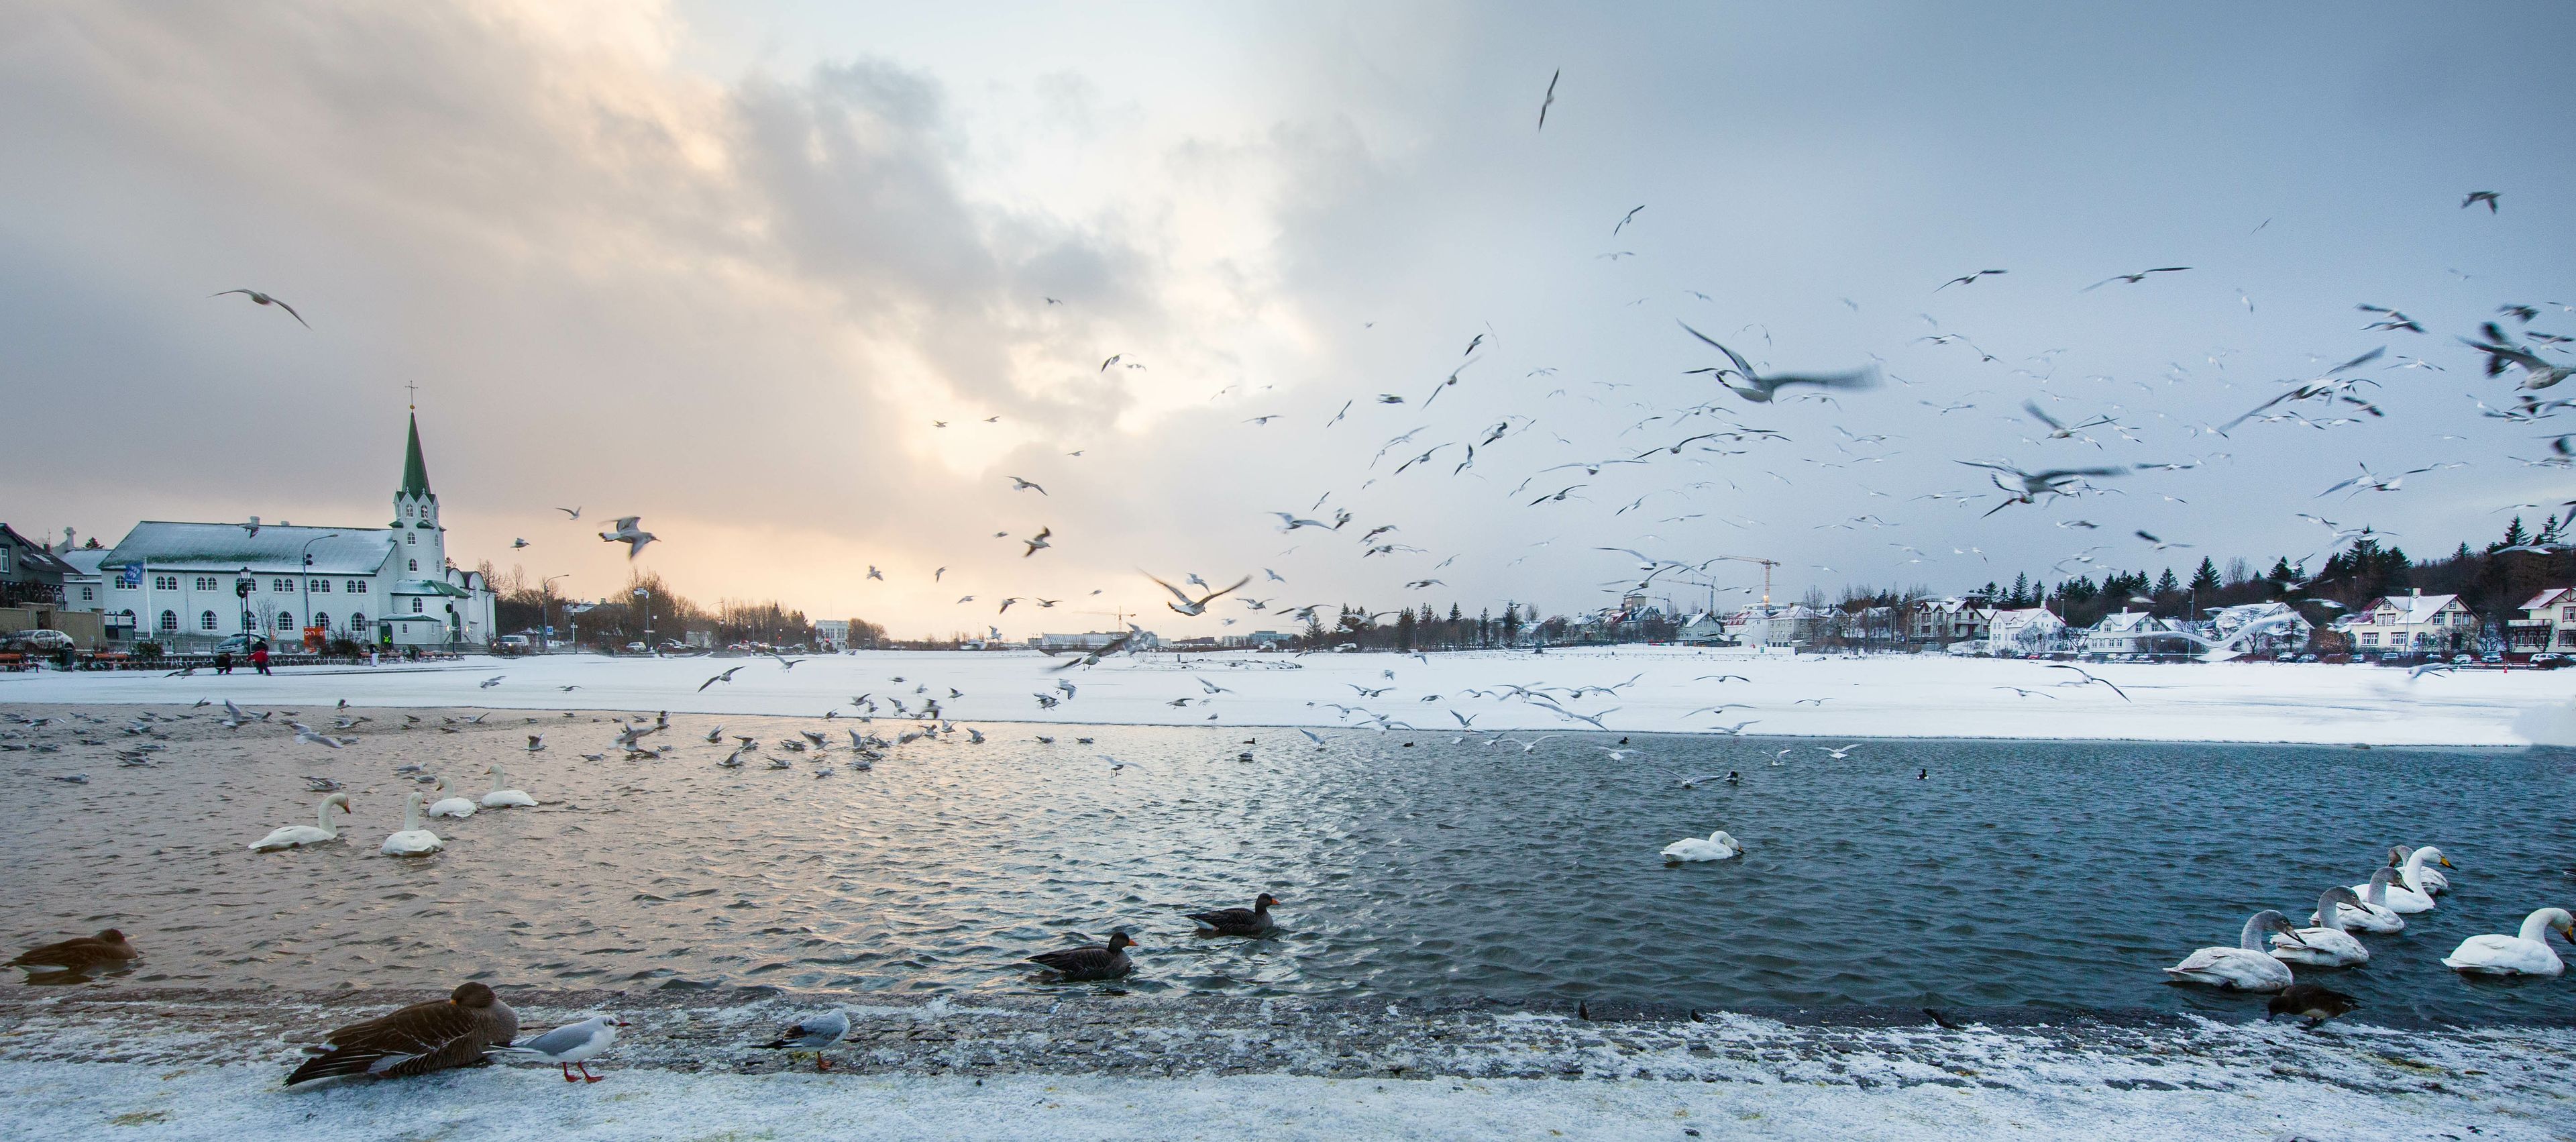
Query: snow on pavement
point(1886, 696)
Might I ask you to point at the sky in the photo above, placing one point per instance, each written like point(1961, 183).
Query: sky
point(729, 266)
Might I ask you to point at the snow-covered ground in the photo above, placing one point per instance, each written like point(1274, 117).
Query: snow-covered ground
point(1810, 696)
point(207, 1065)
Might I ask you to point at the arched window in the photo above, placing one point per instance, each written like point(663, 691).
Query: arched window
point(206, 621)
point(415, 607)
point(415, 565)
point(411, 537)
point(285, 620)
point(406, 511)
point(358, 623)
point(323, 621)
point(170, 620)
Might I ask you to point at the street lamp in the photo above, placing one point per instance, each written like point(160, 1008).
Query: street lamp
point(307, 577)
point(241, 589)
point(646, 594)
point(575, 611)
point(545, 597)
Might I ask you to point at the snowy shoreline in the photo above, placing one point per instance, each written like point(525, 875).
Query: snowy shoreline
point(1651, 690)
point(178, 1063)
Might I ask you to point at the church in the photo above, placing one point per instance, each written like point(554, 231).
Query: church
point(190, 585)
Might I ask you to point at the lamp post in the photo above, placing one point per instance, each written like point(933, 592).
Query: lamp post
point(306, 558)
point(575, 611)
point(545, 597)
point(646, 594)
point(241, 589)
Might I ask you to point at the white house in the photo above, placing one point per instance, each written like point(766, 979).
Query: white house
point(2025, 631)
point(2410, 623)
point(2132, 632)
point(195, 583)
point(1950, 620)
point(1793, 625)
point(2548, 622)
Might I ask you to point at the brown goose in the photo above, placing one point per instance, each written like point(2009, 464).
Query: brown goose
point(1253, 921)
point(1091, 961)
point(80, 953)
point(2311, 1002)
point(424, 1037)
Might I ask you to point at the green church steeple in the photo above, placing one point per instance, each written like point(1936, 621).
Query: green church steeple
point(415, 471)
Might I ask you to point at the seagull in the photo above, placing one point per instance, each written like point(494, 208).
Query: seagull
point(727, 676)
point(536, 743)
point(516, 544)
point(1624, 220)
point(2132, 279)
point(2050, 482)
point(1036, 542)
point(2160, 544)
point(487, 683)
point(1020, 485)
point(2500, 351)
point(1839, 754)
point(2088, 679)
point(1551, 101)
point(1761, 390)
point(2475, 197)
point(1196, 607)
point(570, 1045)
point(1970, 279)
point(264, 299)
point(814, 1034)
point(309, 735)
point(627, 533)
point(875, 574)
point(573, 512)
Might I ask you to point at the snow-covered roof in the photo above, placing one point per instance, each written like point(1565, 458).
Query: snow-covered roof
point(2416, 609)
point(84, 560)
point(276, 548)
point(2127, 622)
point(2007, 619)
point(2550, 598)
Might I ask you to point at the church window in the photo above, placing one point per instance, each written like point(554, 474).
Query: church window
point(411, 537)
point(170, 620)
point(207, 583)
point(86, 595)
point(357, 586)
point(322, 586)
point(285, 620)
point(281, 587)
point(322, 620)
point(415, 565)
point(206, 621)
point(165, 582)
point(406, 511)
point(358, 622)
point(415, 606)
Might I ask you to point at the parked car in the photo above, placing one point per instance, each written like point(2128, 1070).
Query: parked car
point(511, 644)
point(36, 642)
point(2462, 660)
point(2548, 661)
point(237, 644)
point(634, 648)
point(2491, 657)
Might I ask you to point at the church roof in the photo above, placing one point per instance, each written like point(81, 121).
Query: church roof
point(415, 470)
point(277, 548)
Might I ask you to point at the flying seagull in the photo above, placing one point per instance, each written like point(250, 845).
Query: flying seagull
point(1551, 102)
point(1760, 389)
point(573, 512)
point(2475, 197)
point(1198, 606)
point(627, 533)
point(264, 299)
point(1037, 542)
point(1020, 485)
point(1967, 279)
point(2132, 279)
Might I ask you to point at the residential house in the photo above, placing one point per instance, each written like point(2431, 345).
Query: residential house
point(2029, 630)
point(2133, 632)
point(2412, 623)
point(2548, 622)
point(1941, 621)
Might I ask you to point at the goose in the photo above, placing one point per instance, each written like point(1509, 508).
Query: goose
point(815, 1033)
point(500, 797)
point(80, 953)
point(1253, 921)
point(573, 1044)
point(450, 806)
point(2326, 945)
point(435, 1036)
point(1091, 961)
point(2310, 1002)
point(297, 836)
point(2407, 896)
point(412, 840)
point(2244, 967)
point(2373, 914)
point(1719, 846)
point(2435, 883)
point(2528, 953)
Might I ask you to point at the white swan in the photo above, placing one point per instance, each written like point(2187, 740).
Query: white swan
point(294, 836)
point(1718, 846)
point(2372, 914)
point(2407, 896)
point(2525, 954)
point(2245, 967)
point(500, 797)
point(2327, 945)
point(412, 840)
point(2435, 883)
point(450, 806)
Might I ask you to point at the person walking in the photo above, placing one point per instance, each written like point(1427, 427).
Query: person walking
point(259, 657)
point(223, 662)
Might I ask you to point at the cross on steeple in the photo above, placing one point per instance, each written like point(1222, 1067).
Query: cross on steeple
point(413, 387)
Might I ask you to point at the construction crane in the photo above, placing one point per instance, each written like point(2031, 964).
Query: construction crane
point(1767, 565)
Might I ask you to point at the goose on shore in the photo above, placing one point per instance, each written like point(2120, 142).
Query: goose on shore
point(297, 836)
point(501, 795)
point(813, 1034)
point(412, 840)
point(80, 953)
point(2326, 945)
point(2527, 953)
point(1253, 921)
point(1719, 845)
point(571, 1045)
point(2372, 914)
point(2311, 1002)
point(435, 1036)
point(1089, 962)
point(450, 806)
point(2245, 967)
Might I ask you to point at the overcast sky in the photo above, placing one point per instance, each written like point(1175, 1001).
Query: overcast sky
point(724, 265)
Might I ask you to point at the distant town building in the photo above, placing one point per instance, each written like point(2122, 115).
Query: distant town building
point(832, 634)
point(2411, 623)
point(2132, 632)
point(2029, 630)
point(2548, 622)
point(1092, 640)
point(1942, 621)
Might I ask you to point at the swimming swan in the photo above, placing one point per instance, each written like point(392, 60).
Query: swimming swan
point(2245, 967)
point(2525, 954)
point(2407, 896)
point(450, 806)
point(295, 836)
point(2372, 914)
point(2327, 945)
point(412, 840)
point(1718, 846)
point(502, 798)
point(2435, 883)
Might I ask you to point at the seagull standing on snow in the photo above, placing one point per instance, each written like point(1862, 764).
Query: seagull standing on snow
point(570, 1045)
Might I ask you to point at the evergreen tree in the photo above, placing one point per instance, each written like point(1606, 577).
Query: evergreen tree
point(2166, 584)
point(2020, 596)
point(2205, 580)
point(2513, 537)
point(1511, 623)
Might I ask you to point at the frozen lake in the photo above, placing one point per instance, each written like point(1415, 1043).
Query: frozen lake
point(2015, 873)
